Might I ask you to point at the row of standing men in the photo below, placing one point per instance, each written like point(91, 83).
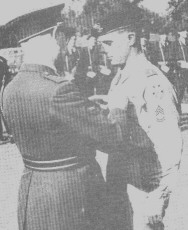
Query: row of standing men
point(170, 54)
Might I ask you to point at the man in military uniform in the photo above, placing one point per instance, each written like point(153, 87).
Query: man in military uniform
point(144, 173)
point(88, 64)
point(4, 79)
point(56, 130)
point(181, 55)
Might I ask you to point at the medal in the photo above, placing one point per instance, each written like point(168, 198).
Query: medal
point(90, 73)
point(104, 69)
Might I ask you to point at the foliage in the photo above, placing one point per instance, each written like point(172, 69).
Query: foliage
point(93, 11)
point(178, 13)
point(153, 22)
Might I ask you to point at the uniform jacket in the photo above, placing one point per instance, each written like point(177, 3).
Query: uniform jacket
point(50, 120)
point(151, 160)
point(146, 89)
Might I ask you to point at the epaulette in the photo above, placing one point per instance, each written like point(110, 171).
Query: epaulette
point(54, 78)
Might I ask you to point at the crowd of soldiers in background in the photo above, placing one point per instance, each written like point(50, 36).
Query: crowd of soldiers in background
point(168, 51)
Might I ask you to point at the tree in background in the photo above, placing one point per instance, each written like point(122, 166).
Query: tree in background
point(178, 14)
point(83, 14)
point(153, 22)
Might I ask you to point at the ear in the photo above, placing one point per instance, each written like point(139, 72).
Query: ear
point(132, 38)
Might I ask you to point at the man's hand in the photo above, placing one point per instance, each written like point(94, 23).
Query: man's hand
point(154, 210)
point(147, 207)
point(102, 99)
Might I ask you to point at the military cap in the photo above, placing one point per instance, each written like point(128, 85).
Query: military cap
point(53, 30)
point(122, 20)
point(50, 30)
point(34, 23)
point(116, 23)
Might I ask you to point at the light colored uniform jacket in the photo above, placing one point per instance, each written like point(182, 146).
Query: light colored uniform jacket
point(150, 163)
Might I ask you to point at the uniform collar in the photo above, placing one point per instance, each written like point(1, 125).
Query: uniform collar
point(37, 68)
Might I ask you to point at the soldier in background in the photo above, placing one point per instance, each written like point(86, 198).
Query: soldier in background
point(57, 131)
point(86, 46)
point(177, 63)
point(4, 79)
point(182, 59)
point(67, 56)
point(159, 51)
point(145, 43)
point(162, 53)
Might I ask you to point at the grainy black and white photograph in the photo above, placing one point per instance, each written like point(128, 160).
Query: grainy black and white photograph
point(94, 115)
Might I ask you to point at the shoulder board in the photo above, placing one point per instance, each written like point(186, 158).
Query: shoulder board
point(54, 78)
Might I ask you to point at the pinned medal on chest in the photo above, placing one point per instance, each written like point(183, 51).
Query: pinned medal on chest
point(90, 73)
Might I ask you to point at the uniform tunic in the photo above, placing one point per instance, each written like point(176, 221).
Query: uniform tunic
point(50, 121)
point(150, 162)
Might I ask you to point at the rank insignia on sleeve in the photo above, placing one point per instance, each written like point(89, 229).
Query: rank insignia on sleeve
point(159, 113)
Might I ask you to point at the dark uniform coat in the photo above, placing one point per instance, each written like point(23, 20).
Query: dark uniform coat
point(56, 129)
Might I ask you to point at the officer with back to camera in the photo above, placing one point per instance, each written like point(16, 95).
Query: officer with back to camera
point(56, 130)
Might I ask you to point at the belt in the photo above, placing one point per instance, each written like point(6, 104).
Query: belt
point(60, 164)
